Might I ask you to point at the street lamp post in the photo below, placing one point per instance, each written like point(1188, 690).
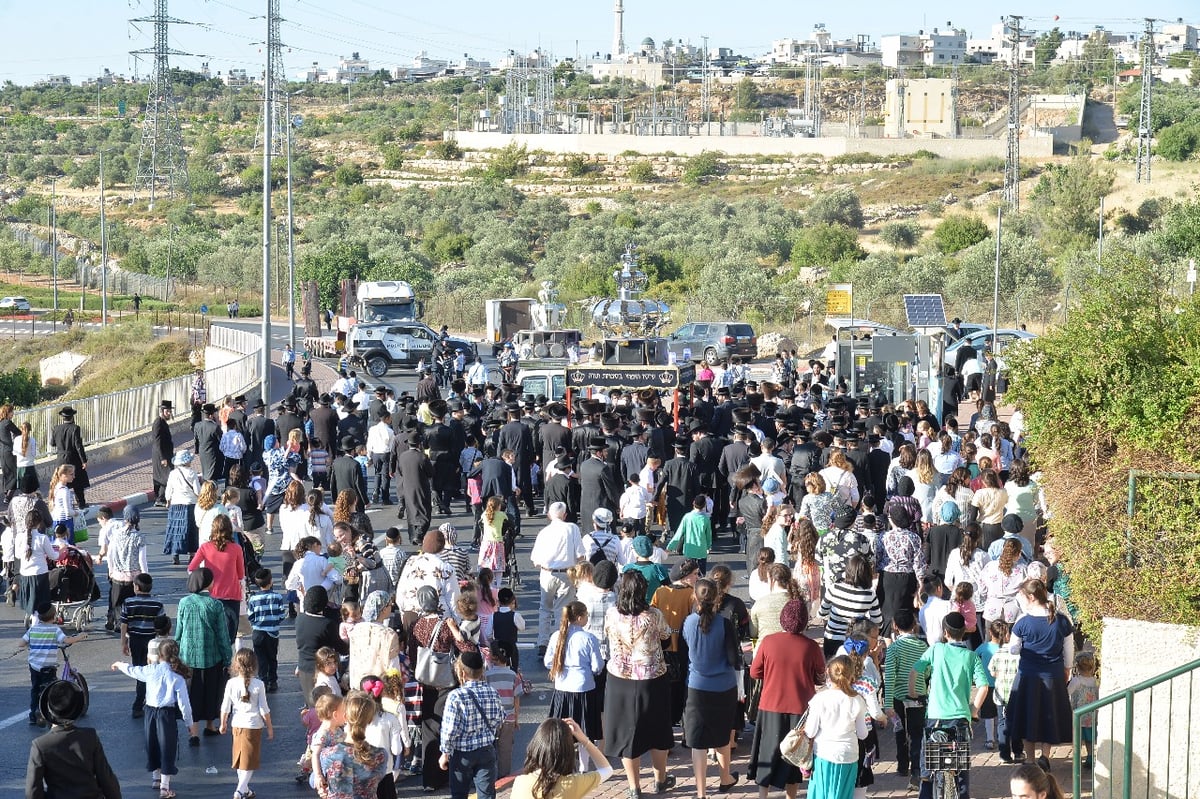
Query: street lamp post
point(291, 227)
point(265, 354)
point(103, 252)
point(53, 220)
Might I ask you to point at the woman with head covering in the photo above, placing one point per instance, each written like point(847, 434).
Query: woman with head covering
point(183, 490)
point(374, 646)
point(426, 569)
point(316, 626)
point(436, 630)
point(68, 760)
point(943, 537)
point(202, 629)
point(790, 666)
point(901, 563)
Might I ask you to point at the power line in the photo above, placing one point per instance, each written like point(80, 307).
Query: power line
point(1144, 118)
point(1012, 160)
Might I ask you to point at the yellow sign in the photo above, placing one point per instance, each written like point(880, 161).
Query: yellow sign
point(839, 300)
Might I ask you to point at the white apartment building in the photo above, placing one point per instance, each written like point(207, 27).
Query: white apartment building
point(997, 47)
point(1177, 37)
point(936, 48)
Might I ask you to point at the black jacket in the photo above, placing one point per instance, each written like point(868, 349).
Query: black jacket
point(69, 763)
point(599, 487)
point(346, 475)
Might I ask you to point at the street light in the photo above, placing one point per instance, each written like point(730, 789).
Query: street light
point(53, 220)
point(292, 123)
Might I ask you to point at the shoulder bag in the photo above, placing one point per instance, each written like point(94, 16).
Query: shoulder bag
point(435, 668)
point(796, 747)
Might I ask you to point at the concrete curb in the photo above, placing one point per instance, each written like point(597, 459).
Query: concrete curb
point(117, 506)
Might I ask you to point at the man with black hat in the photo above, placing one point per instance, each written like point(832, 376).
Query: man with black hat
point(289, 420)
point(414, 475)
point(442, 453)
point(377, 404)
point(554, 433)
point(208, 443)
point(352, 424)
point(162, 449)
point(734, 456)
point(599, 485)
point(705, 453)
point(238, 413)
point(563, 487)
point(259, 426)
point(878, 464)
point(679, 483)
point(634, 454)
point(67, 440)
point(304, 390)
point(346, 475)
point(585, 429)
point(517, 437)
point(325, 421)
point(68, 760)
point(427, 387)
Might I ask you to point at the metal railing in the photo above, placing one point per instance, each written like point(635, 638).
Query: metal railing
point(107, 417)
point(1139, 747)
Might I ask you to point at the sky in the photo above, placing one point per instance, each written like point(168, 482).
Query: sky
point(82, 37)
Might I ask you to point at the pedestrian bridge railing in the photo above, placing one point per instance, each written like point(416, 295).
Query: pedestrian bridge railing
point(108, 417)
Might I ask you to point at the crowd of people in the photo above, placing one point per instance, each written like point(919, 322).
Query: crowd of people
point(917, 544)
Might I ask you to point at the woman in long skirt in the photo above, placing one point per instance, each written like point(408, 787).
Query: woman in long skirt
point(183, 489)
point(203, 633)
point(711, 705)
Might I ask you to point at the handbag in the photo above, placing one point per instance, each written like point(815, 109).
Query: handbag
point(435, 669)
point(796, 747)
point(80, 532)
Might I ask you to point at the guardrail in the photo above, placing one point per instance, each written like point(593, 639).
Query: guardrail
point(1152, 758)
point(111, 416)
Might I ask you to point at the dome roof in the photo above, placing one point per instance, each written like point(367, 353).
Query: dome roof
point(648, 43)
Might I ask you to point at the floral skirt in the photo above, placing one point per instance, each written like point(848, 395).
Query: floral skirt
point(491, 556)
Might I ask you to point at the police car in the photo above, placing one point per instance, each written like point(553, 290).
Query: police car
point(380, 347)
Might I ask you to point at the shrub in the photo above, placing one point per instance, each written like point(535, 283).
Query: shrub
point(510, 162)
point(393, 157)
point(958, 232)
point(19, 387)
point(839, 207)
point(699, 168)
point(825, 244)
point(348, 175)
point(642, 172)
point(1179, 142)
point(577, 166)
point(901, 235)
point(446, 150)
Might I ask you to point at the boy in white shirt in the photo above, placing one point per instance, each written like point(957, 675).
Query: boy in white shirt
point(633, 505)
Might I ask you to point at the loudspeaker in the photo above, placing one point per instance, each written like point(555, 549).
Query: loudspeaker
point(636, 352)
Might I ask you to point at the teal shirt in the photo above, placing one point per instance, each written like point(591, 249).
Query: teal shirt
point(695, 532)
point(985, 652)
point(952, 670)
point(656, 574)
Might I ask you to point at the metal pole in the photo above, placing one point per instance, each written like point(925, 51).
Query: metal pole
point(103, 252)
point(1100, 240)
point(291, 244)
point(996, 280)
point(54, 241)
point(268, 87)
point(170, 246)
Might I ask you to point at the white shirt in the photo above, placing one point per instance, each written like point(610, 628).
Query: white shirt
point(29, 457)
point(836, 723)
point(248, 715)
point(310, 571)
point(633, 503)
point(769, 463)
point(389, 731)
point(43, 550)
point(380, 438)
point(164, 688)
point(558, 546)
point(183, 486)
point(931, 615)
point(477, 375)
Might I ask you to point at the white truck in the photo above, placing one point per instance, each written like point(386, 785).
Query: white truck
point(387, 301)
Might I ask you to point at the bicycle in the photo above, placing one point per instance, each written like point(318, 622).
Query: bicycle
point(70, 674)
point(946, 753)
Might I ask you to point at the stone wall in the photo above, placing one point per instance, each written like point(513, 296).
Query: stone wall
point(1166, 725)
point(1034, 146)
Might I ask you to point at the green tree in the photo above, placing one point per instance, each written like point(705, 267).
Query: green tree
point(901, 235)
point(958, 232)
point(1066, 200)
point(332, 263)
point(1179, 142)
point(840, 206)
point(348, 174)
point(825, 244)
point(510, 162)
point(1047, 47)
point(746, 95)
point(642, 172)
point(1179, 230)
point(699, 168)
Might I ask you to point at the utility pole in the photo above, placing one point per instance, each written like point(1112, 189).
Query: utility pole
point(278, 78)
point(1144, 127)
point(705, 90)
point(162, 161)
point(996, 279)
point(291, 227)
point(901, 124)
point(52, 218)
point(103, 252)
point(268, 89)
point(1100, 240)
point(1012, 161)
point(954, 100)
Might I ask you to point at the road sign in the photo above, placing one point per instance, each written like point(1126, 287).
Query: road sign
point(204, 310)
point(839, 300)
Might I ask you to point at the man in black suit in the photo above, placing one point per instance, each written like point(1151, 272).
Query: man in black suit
point(345, 474)
point(162, 450)
point(325, 422)
point(734, 456)
point(353, 425)
point(564, 487)
point(414, 472)
point(585, 430)
point(289, 420)
point(258, 427)
point(378, 404)
point(679, 482)
point(857, 456)
point(878, 463)
point(517, 437)
point(208, 440)
point(554, 434)
point(634, 454)
point(806, 459)
point(705, 454)
point(599, 485)
point(304, 390)
point(67, 440)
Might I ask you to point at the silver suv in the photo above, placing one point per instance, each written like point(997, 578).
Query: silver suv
point(713, 342)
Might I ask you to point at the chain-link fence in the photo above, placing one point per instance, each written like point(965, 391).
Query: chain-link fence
point(121, 281)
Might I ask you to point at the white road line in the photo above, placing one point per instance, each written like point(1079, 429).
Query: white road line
point(13, 719)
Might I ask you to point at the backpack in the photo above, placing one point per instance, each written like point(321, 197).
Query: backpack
point(599, 554)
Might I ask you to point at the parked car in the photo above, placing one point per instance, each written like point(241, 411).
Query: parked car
point(982, 340)
point(713, 341)
point(964, 329)
point(381, 347)
point(14, 304)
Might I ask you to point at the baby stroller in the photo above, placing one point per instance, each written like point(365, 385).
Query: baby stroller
point(73, 588)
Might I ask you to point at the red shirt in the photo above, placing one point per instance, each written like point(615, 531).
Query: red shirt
point(790, 667)
point(228, 568)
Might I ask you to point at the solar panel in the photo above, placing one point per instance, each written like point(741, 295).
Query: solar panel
point(924, 310)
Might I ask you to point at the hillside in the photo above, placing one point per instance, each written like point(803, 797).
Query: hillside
point(752, 236)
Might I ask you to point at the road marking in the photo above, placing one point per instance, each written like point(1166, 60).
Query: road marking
point(13, 719)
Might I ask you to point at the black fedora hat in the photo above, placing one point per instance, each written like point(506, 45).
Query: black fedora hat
point(67, 411)
point(166, 405)
point(62, 702)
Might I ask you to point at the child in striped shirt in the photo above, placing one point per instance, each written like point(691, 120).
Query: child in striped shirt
point(43, 638)
point(318, 464)
point(1003, 669)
